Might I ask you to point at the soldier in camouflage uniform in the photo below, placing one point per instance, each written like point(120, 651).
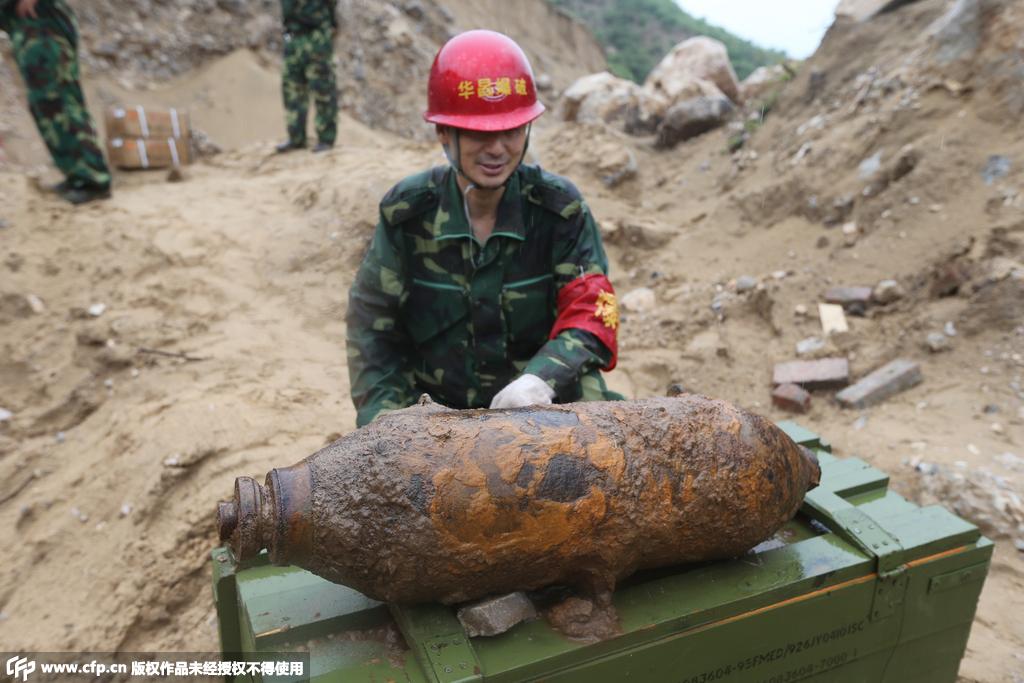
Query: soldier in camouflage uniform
point(485, 283)
point(44, 35)
point(309, 28)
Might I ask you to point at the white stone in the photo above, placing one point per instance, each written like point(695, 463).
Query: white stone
point(936, 342)
point(870, 166)
point(639, 300)
point(745, 283)
point(886, 292)
point(809, 345)
point(35, 303)
point(97, 309)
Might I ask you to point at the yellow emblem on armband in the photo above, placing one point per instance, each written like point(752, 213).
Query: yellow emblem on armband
point(607, 309)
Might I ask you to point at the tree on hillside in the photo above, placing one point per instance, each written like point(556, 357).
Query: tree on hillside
point(636, 34)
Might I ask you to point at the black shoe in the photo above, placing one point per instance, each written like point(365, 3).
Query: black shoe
point(322, 147)
point(87, 193)
point(289, 146)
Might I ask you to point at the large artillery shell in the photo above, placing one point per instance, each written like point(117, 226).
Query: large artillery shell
point(434, 504)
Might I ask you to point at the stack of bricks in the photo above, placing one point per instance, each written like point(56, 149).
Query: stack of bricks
point(794, 380)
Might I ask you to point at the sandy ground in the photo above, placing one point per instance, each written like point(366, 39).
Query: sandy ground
point(219, 351)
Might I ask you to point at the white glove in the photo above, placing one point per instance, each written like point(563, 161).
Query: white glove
point(528, 390)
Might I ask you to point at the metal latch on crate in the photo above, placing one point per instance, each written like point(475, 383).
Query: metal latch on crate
point(440, 644)
point(859, 529)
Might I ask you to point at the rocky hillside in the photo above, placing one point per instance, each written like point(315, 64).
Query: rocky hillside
point(636, 34)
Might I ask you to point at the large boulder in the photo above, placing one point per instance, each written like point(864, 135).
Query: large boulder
point(695, 59)
point(598, 97)
point(692, 117)
point(602, 97)
point(763, 82)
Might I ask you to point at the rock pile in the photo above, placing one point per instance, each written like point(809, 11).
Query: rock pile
point(980, 495)
point(692, 90)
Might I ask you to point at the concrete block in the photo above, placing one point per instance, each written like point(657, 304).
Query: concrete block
point(491, 616)
point(792, 398)
point(890, 379)
point(826, 373)
point(833, 319)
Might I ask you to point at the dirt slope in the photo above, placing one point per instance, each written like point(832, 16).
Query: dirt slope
point(117, 452)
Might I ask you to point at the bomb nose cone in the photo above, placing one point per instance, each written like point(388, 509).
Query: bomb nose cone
point(243, 521)
point(276, 516)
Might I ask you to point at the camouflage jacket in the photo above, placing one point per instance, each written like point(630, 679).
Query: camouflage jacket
point(302, 16)
point(434, 311)
point(54, 15)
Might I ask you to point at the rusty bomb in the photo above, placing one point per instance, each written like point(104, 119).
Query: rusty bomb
point(433, 504)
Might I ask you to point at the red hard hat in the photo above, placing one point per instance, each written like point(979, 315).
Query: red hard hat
point(481, 80)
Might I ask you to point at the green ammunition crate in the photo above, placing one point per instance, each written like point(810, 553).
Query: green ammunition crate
point(861, 586)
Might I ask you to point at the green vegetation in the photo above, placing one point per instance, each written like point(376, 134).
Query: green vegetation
point(636, 34)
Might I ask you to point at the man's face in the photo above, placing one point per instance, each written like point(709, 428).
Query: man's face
point(487, 159)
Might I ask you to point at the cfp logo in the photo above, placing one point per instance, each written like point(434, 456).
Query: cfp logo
point(20, 666)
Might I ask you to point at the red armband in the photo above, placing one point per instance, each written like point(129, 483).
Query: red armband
point(588, 303)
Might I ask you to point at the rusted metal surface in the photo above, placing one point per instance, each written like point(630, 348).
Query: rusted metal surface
point(430, 504)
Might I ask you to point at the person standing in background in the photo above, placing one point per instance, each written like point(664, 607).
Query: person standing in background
point(309, 29)
point(44, 36)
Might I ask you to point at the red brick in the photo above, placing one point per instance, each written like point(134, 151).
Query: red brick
point(792, 398)
point(826, 373)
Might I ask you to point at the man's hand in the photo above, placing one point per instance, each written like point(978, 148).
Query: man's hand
point(528, 390)
point(26, 8)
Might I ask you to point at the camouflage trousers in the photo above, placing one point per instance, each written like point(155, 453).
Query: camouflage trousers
point(48, 61)
point(309, 68)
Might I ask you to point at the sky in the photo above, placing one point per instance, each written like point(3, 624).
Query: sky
point(793, 26)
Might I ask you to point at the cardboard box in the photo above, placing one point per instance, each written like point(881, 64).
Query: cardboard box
point(140, 122)
point(141, 153)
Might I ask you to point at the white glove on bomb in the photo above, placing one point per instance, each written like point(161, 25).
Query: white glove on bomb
point(528, 390)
